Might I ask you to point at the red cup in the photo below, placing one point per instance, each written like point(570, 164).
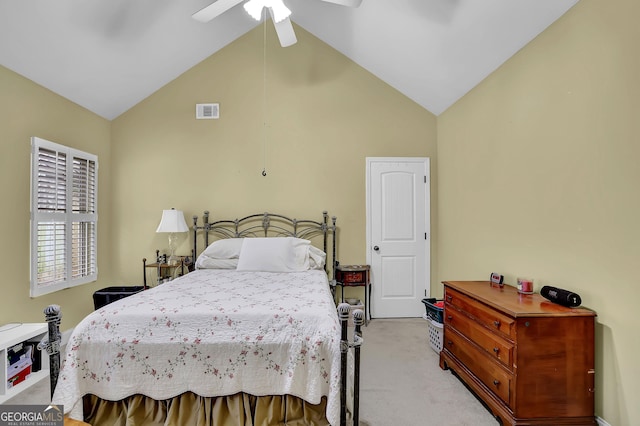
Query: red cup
point(525, 285)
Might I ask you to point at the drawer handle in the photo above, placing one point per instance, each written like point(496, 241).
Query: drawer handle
point(496, 350)
point(449, 317)
point(449, 298)
point(496, 382)
point(496, 323)
point(449, 343)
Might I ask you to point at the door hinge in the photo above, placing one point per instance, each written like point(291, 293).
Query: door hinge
point(425, 179)
point(425, 235)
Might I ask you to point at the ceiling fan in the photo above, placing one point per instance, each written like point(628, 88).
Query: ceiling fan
point(279, 14)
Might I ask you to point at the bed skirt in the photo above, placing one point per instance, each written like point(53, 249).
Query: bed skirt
point(190, 409)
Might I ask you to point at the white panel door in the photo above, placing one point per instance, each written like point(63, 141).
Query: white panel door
point(397, 235)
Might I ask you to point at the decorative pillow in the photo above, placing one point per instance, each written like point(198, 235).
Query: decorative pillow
point(277, 254)
point(224, 249)
point(206, 262)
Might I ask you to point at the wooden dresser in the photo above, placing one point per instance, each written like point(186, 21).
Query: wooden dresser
point(530, 360)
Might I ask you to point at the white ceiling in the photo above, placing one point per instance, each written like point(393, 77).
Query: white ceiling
point(108, 55)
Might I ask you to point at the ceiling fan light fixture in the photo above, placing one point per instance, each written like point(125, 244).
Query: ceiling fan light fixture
point(278, 9)
point(254, 9)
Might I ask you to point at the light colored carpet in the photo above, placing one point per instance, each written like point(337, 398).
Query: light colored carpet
point(401, 382)
point(403, 385)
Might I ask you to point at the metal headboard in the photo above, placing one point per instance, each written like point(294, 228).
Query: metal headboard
point(270, 225)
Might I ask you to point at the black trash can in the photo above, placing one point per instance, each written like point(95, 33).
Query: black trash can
point(111, 294)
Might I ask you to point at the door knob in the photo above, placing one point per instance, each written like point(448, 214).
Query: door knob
point(376, 248)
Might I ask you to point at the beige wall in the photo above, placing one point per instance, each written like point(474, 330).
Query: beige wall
point(325, 115)
point(538, 175)
point(27, 110)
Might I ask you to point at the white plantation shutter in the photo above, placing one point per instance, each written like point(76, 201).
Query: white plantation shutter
point(64, 217)
point(51, 255)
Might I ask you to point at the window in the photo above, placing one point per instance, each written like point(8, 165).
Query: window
point(64, 217)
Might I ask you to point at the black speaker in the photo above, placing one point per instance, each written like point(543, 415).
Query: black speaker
point(561, 297)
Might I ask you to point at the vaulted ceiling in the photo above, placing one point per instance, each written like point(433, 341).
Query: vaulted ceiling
point(108, 55)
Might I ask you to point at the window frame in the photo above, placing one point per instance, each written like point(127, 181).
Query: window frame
point(66, 220)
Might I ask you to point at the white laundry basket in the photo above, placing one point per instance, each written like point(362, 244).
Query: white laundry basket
point(436, 334)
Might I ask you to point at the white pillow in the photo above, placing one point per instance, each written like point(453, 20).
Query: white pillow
point(224, 249)
point(301, 253)
point(206, 262)
point(276, 254)
point(317, 258)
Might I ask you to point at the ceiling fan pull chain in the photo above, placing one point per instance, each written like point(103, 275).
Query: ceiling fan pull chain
point(264, 95)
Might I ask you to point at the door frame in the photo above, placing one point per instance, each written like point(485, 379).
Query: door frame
point(427, 161)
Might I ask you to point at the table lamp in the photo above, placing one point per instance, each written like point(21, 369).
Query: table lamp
point(172, 222)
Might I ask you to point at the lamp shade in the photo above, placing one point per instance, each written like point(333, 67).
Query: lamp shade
point(172, 221)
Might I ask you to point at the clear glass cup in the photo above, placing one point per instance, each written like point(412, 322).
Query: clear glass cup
point(525, 285)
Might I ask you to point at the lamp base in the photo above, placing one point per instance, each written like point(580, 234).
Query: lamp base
point(173, 259)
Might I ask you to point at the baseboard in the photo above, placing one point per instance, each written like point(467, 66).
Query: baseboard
point(601, 422)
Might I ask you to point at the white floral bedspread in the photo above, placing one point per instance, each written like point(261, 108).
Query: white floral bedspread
point(212, 332)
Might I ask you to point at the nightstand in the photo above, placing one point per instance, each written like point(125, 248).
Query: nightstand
point(355, 276)
point(164, 271)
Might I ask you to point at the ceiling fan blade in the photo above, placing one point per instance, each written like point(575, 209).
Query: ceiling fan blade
point(349, 3)
point(217, 8)
point(285, 32)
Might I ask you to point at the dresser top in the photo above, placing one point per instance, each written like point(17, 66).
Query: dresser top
point(510, 301)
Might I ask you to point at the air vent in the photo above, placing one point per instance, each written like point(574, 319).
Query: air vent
point(207, 111)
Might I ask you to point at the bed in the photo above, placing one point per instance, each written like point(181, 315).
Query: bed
point(250, 337)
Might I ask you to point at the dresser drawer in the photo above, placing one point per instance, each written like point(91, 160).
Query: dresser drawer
point(485, 315)
point(490, 373)
point(496, 346)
